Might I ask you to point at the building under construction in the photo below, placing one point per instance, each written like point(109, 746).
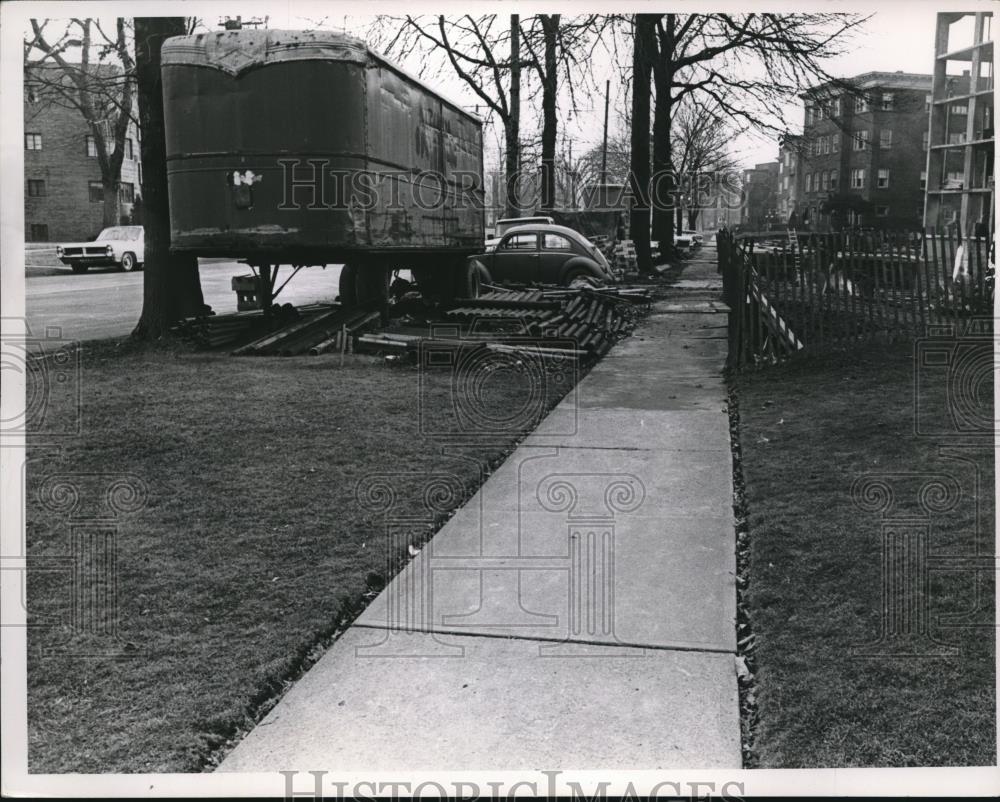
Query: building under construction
point(960, 157)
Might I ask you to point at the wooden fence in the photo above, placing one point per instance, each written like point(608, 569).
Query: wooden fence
point(847, 287)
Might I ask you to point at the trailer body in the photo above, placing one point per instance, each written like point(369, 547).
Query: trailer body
point(306, 147)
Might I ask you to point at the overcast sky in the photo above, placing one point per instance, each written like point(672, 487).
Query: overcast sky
point(899, 36)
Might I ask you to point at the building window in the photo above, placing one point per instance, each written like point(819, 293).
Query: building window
point(127, 193)
point(881, 211)
point(956, 138)
point(882, 182)
point(129, 149)
point(857, 178)
point(860, 104)
point(885, 138)
point(834, 178)
point(39, 232)
point(835, 143)
point(809, 182)
point(838, 105)
point(809, 114)
point(887, 101)
point(923, 140)
point(861, 140)
point(96, 191)
point(825, 142)
point(33, 141)
point(824, 180)
point(923, 179)
point(959, 108)
point(36, 188)
point(927, 103)
point(91, 146)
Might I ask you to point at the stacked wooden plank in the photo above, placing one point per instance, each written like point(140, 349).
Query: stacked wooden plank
point(316, 333)
point(625, 260)
point(579, 323)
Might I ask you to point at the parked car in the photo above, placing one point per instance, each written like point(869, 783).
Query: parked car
point(682, 242)
point(122, 246)
point(507, 223)
point(697, 239)
point(544, 254)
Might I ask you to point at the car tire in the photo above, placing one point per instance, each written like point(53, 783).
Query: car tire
point(579, 278)
point(76, 267)
point(468, 281)
point(128, 261)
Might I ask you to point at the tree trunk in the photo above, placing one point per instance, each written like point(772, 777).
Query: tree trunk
point(112, 200)
point(512, 125)
point(643, 52)
point(550, 29)
point(171, 284)
point(664, 202)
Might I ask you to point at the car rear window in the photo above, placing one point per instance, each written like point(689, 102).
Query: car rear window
point(557, 242)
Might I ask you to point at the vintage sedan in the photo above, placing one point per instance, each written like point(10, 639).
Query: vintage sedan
point(544, 254)
point(507, 223)
point(121, 246)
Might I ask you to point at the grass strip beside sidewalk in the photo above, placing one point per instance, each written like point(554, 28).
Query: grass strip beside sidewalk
point(808, 429)
point(249, 543)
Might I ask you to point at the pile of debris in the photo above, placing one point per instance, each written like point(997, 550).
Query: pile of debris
point(580, 323)
point(214, 331)
point(285, 331)
point(317, 333)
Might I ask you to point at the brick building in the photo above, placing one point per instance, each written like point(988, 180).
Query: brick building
point(960, 161)
point(861, 161)
point(787, 198)
point(63, 196)
point(719, 201)
point(760, 197)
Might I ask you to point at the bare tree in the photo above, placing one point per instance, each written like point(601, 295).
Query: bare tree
point(701, 146)
point(643, 56)
point(590, 163)
point(555, 46)
point(171, 285)
point(102, 90)
point(750, 65)
point(473, 47)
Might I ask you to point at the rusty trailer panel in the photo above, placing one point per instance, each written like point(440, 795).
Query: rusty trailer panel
point(289, 146)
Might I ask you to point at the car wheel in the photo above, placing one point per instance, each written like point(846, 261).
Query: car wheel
point(76, 267)
point(468, 281)
point(128, 261)
point(579, 278)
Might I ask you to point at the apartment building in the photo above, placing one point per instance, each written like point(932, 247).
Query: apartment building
point(63, 195)
point(960, 159)
point(760, 195)
point(861, 160)
point(787, 193)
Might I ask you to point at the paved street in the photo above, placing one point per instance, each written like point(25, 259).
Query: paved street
point(579, 611)
point(106, 303)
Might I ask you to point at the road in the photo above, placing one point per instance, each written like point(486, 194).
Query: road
point(106, 303)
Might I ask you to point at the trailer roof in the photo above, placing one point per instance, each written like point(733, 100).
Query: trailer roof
point(236, 51)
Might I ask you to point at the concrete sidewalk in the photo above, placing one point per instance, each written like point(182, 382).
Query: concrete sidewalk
point(578, 612)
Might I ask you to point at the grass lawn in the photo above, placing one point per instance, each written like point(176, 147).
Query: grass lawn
point(808, 429)
point(250, 549)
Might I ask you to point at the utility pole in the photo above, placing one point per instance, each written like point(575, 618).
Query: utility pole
point(604, 150)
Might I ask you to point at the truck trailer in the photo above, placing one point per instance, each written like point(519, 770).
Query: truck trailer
point(304, 148)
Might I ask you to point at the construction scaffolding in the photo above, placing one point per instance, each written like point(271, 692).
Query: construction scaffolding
point(960, 158)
